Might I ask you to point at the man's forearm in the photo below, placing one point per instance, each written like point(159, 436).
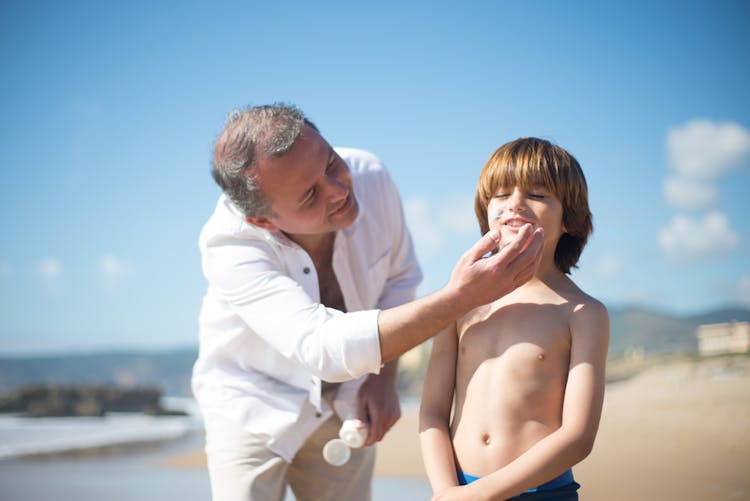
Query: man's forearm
point(406, 326)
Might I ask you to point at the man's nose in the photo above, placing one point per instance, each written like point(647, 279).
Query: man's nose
point(337, 188)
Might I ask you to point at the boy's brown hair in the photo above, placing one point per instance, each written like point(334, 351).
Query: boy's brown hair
point(529, 162)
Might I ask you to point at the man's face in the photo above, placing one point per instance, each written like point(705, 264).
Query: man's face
point(309, 189)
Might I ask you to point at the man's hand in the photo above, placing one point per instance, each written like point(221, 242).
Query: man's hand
point(377, 402)
point(480, 280)
point(476, 280)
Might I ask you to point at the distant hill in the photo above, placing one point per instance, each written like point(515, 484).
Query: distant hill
point(662, 333)
point(167, 370)
point(656, 333)
point(719, 316)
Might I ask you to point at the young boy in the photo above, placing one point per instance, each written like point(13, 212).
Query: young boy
point(526, 371)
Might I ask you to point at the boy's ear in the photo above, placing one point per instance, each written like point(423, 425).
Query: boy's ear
point(262, 222)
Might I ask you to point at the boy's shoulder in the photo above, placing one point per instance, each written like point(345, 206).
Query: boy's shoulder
point(583, 304)
point(581, 297)
point(588, 314)
point(577, 296)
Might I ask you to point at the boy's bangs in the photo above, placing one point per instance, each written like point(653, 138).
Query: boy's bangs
point(524, 174)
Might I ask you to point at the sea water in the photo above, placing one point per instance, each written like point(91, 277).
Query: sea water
point(23, 437)
point(57, 458)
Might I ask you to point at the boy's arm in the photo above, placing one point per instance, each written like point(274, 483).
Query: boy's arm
point(582, 406)
point(435, 410)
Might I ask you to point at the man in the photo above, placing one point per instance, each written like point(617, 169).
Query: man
point(312, 277)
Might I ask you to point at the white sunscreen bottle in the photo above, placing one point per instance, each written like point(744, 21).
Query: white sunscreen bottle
point(336, 452)
point(352, 435)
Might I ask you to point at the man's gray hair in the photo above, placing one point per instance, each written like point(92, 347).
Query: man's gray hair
point(250, 133)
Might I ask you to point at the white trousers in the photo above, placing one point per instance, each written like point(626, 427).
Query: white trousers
point(242, 468)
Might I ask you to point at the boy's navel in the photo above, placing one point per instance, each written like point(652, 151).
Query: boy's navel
point(486, 438)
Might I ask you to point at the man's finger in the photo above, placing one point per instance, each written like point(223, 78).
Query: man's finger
point(535, 244)
point(487, 243)
point(375, 432)
point(519, 243)
point(361, 412)
point(525, 265)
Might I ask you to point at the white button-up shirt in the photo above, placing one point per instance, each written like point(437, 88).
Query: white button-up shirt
point(266, 342)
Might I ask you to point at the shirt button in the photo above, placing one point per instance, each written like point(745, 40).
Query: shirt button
point(318, 414)
point(306, 270)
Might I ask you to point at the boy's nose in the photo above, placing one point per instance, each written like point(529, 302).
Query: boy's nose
point(515, 201)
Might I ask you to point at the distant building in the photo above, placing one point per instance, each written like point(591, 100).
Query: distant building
point(720, 339)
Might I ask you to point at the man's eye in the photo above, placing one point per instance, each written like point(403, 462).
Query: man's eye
point(309, 197)
point(333, 166)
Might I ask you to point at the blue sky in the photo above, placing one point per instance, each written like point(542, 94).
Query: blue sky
point(110, 110)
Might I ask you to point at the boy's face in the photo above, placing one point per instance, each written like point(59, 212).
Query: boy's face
point(512, 206)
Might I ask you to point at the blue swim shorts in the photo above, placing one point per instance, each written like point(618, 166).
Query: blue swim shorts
point(562, 488)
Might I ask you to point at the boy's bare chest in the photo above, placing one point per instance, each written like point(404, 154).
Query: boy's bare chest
point(522, 330)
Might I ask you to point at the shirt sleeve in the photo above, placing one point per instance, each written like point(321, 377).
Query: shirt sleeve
point(250, 276)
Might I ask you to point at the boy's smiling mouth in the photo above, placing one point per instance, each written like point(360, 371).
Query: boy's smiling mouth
point(516, 222)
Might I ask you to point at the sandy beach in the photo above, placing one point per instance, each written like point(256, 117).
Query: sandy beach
point(679, 431)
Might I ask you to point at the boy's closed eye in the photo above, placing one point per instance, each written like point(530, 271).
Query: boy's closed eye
point(536, 193)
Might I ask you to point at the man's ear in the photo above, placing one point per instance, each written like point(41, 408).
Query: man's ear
point(262, 222)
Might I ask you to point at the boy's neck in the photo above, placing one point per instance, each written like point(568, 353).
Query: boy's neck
point(548, 272)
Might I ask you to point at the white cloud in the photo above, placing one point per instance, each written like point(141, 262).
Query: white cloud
point(434, 223)
point(456, 213)
point(609, 266)
point(687, 239)
point(703, 149)
point(426, 237)
point(112, 268)
point(50, 269)
point(688, 193)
